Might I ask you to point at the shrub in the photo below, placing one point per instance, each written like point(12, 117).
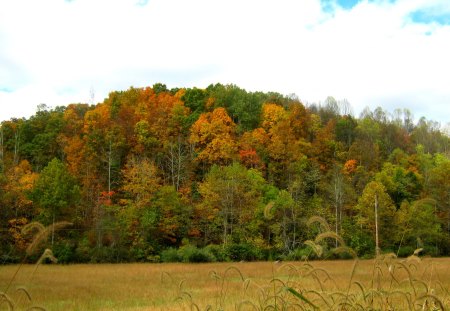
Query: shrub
point(82, 251)
point(9, 255)
point(304, 253)
point(361, 243)
point(187, 253)
point(107, 254)
point(430, 250)
point(64, 252)
point(218, 252)
point(190, 253)
point(141, 252)
point(406, 251)
point(170, 255)
point(238, 252)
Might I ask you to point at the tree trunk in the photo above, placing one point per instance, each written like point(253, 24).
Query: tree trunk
point(16, 147)
point(53, 227)
point(109, 169)
point(377, 245)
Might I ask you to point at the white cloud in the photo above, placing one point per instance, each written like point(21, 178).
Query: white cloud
point(54, 51)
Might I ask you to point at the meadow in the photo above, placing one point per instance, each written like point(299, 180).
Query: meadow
point(383, 284)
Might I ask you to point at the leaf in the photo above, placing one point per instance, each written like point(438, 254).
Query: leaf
point(301, 297)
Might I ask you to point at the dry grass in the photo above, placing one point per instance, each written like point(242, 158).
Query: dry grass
point(221, 285)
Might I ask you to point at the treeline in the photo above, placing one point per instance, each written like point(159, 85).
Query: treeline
point(220, 173)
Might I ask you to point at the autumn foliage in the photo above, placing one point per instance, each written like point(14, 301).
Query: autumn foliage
point(150, 169)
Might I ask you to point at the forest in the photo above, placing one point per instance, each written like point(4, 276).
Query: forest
point(221, 174)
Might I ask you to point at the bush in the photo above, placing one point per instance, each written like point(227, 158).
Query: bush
point(444, 246)
point(107, 254)
point(406, 251)
point(141, 252)
point(9, 255)
point(218, 252)
point(430, 250)
point(64, 252)
point(187, 253)
point(190, 253)
point(170, 255)
point(82, 251)
point(238, 252)
point(362, 244)
point(304, 253)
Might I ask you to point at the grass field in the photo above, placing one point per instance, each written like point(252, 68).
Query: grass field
point(383, 284)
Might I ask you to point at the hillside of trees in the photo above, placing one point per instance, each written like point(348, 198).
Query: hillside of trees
point(152, 172)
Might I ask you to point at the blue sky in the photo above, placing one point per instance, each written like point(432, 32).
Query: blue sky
point(388, 53)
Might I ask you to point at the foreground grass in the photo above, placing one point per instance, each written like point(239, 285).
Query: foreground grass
point(248, 286)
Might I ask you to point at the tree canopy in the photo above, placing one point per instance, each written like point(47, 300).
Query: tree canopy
point(150, 169)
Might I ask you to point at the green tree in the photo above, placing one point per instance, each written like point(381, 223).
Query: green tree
point(375, 213)
point(401, 184)
point(233, 193)
point(439, 188)
point(346, 130)
point(39, 136)
point(283, 213)
point(55, 193)
point(417, 224)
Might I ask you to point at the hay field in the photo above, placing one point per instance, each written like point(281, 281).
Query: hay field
point(230, 286)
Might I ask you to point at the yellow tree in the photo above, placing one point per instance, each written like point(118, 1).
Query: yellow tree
point(283, 147)
point(140, 183)
point(213, 136)
point(19, 181)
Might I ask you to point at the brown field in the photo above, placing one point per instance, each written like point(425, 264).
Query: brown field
point(395, 284)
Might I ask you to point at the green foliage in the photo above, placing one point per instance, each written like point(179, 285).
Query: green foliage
point(301, 253)
point(400, 184)
point(188, 253)
point(218, 252)
point(405, 251)
point(149, 167)
point(376, 201)
point(231, 195)
point(55, 192)
point(243, 251)
point(170, 255)
point(64, 251)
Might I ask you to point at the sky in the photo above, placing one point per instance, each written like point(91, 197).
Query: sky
point(387, 53)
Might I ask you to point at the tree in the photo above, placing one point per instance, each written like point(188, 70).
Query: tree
point(233, 193)
point(375, 213)
point(213, 136)
point(175, 162)
point(283, 213)
point(439, 188)
point(140, 182)
point(345, 130)
point(39, 136)
point(330, 110)
point(338, 196)
point(173, 216)
point(282, 146)
point(365, 148)
point(71, 137)
point(137, 214)
point(244, 107)
point(19, 181)
point(400, 183)
point(418, 224)
point(55, 193)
